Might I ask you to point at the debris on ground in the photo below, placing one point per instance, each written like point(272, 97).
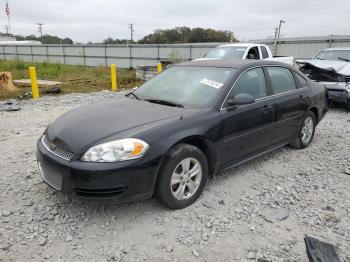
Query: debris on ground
point(276, 215)
point(10, 105)
point(319, 251)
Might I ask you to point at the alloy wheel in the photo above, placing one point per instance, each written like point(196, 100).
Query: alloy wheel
point(307, 130)
point(186, 178)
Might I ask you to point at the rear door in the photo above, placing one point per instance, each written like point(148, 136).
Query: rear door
point(246, 129)
point(289, 100)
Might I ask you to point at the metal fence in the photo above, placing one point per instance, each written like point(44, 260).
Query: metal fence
point(306, 47)
point(102, 55)
point(149, 55)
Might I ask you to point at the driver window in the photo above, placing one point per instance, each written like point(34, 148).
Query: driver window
point(253, 53)
point(252, 82)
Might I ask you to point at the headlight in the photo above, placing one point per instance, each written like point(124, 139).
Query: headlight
point(117, 150)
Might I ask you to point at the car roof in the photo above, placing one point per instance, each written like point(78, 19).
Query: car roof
point(240, 45)
point(337, 48)
point(231, 63)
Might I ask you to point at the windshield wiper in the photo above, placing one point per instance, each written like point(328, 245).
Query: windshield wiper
point(344, 59)
point(164, 102)
point(132, 93)
point(319, 58)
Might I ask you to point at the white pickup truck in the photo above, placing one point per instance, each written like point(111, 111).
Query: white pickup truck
point(246, 51)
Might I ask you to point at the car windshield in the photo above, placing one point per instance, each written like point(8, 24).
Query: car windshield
point(337, 55)
point(186, 86)
point(234, 52)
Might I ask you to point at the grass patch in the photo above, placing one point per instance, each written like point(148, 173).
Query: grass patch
point(76, 78)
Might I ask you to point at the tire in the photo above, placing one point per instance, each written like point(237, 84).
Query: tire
point(178, 186)
point(305, 133)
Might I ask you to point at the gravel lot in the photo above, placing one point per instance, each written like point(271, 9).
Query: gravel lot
point(260, 211)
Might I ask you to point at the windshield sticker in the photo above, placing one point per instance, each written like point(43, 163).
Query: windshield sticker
point(211, 83)
point(240, 49)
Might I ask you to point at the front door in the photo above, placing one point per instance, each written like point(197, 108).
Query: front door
point(246, 129)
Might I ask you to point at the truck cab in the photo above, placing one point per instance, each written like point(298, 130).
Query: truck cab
point(246, 51)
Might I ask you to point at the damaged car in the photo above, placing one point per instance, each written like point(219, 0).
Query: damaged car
point(331, 67)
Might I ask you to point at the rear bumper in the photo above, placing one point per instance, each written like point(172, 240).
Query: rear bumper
point(125, 181)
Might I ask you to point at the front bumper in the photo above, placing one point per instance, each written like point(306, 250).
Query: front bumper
point(337, 92)
point(128, 180)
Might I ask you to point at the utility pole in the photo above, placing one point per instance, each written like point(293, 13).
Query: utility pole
point(131, 27)
point(40, 29)
point(274, 48)
point(277, 36)
point(7, 29)
point(279, 28)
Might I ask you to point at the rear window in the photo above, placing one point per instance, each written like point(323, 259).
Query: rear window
point(282, 79)
point(301, 80)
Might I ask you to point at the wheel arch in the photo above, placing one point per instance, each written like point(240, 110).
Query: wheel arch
point(314, 110)
point(205, 146)
point(201, 142)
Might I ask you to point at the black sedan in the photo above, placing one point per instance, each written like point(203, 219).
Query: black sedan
point(187, 123)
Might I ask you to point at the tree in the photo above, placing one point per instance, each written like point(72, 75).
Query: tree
point(185, 34)
point(46, 39)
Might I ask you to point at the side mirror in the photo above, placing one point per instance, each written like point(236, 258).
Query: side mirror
point(240, 99)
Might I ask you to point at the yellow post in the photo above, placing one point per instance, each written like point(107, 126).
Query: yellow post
point(114, 77)
point(159, 67)
point(35, 89)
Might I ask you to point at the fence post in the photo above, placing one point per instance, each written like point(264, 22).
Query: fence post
point(159, 67)
point(84, 55)
point(3, 49)
point(47, 53)
point(106, 55)
point(114, 77)
point(64, 55)
point(158, 52)
point(35, 89)
point(31, 53)
point(17, 53)
point(130, 55)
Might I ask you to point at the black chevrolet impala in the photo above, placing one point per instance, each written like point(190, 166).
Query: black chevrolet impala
point(189, 122)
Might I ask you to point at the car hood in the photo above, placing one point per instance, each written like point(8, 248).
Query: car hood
point(87, 125)
point(339, 67)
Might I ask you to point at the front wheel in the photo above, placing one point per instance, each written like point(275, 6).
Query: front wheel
point(182, 177)
point(306, 131)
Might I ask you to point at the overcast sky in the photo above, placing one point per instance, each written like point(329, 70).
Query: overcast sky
point(87, 20)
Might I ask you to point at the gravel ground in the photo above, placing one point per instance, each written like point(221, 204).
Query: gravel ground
point(260, 211)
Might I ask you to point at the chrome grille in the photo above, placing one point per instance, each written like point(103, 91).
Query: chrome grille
point(51, 176)
point(57, 149)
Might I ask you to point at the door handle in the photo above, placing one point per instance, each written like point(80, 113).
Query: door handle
point(266, 108)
